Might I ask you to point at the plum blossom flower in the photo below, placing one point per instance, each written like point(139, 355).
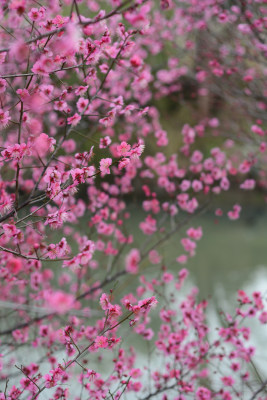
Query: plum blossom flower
point(13, 233)
point(132, 261)
point(81, 90)
point(123, 149)
point(91, 374)
point(227, 380)
point(4, 118)
point(263, 317)
point(2, 85)
point(154, 257)
point(248, 184)
point(49, 381)
point(14, 265)
point(104, 301)
point(17, 151)
point(74, 120)
point(189, 246)
point(83, 257)
point(59, 301)
point(105, 163)
point(162, 138)
point(136, 61)
point(58, 250)
point(82, 104)
point(148, 303)
point(101, 342)
point(123, 163)
point(109, 119)
point(36, 15)
point(235, 213)
point(195, 233)
point(203, 393)
point(149, 226)
point(56, 220)
point(137, 149)
point(43, 66)
point(44, 144)
point(104, 142)
point(182, 259)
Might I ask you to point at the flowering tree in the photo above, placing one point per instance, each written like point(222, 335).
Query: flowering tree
point(82, 89)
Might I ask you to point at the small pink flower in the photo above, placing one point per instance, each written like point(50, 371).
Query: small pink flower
point(136, 61)
point(257, 130)
point(17, 151)
point(195, 233)
point(137, 149)
point(49, 381)
point(104, 142)
point(43, 66)
point(149, 226)
point(101, 342)
point(82, 104)
point(248, 184)
point(35, 14)
point(182, 259)
point(2, 85)
point(162, 138)
point(104, 301)
point(196, 157)
point(154, 257)
point(44, 144)
point(91, 374)
point(147, 304)
point(123, 163)
point(218, 212)
point(59, 20)
point(123, 149)
point(203, 393)
point(185, 185)
point(81, 90)
point(105, 163)
point(59, 301)
point(4, 118)
point(263, 317)
point(109, 120)
point(233, 215)
point(14, 265)
point(227, 380)
point(197, 185)
point(74, 120)
point(132, 261)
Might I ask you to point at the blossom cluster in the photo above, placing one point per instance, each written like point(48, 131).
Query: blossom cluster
point(96, 178)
